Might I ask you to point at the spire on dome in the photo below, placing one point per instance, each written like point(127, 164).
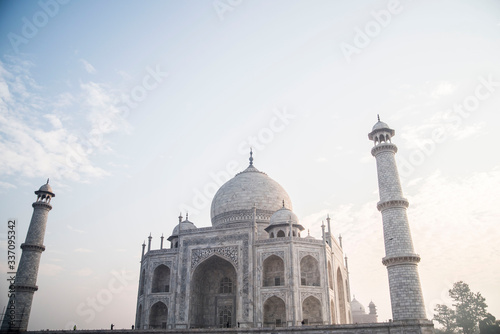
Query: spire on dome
point(47, 181)
point(378, 117)
point(283, 203)
point(251, 158)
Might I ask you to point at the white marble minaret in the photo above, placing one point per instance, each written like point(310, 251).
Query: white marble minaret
point(400, 258)
point(16, 319)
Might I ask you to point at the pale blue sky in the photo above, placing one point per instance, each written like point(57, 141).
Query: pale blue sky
point(121, 170)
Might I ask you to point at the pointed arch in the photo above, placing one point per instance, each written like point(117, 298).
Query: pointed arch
point(280, 234)
point(271, 235)
point(309, 271)
point(138, 318)
point(142, 282)
point(332, 311)
point(273, 271)
point(341, 297)
point(311, 311)
point(330, 276)
point(213, 294)
point(161, 279)
point(158, 316)
point(274, 312)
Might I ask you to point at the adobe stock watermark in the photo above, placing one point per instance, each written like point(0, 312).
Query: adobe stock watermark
point(86, 144)
point(372, 29)
point(454, 118)
point(202, 197)
point(31, 26)
point(444, 299)
point(88, 309)
point(222, 7)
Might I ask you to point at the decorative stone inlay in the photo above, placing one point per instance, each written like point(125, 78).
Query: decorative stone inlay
point(305, 294)
point(403, 259)
point(279, 294)
point(394, 203)
point(37, 248)
point(280, 254)
point(313, 254)
point(155, 264)
point(384, 147)
point(154, 299)
point(242, 215)
point(229, 253)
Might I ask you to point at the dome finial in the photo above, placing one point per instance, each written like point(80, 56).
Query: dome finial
point(187, 215)
point(251, 158)
point(47, 181)
point(283, 203)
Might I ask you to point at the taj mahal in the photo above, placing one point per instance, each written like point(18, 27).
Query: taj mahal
point(256, 267)
point(251, 268)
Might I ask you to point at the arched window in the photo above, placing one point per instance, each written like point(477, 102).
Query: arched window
point(273, 271)
point(226, 285)
point(311, 311)
point(161, 279)
point(280, 234)
point(158, 316)
point(274, 312)
point(271, 235)
point(341, 297)
point(309, 271)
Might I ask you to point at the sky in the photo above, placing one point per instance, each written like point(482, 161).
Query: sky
point(137, 111)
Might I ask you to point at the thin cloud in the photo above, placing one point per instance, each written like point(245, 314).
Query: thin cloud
point(88, 66)
point(71, 228)
point(53, 136)
point(83, 250)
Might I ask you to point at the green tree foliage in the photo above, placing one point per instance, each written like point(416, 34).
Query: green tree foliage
point(446, 318)
point(489, 325)
point(470, 309)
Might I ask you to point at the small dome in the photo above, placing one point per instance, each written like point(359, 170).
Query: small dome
point(371, 304)
point(283, 216)
point(185, 225)
point(356, 307)
point(46, 188)
point(380, 125)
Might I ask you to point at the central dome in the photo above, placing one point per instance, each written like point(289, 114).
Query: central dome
point(234, 201)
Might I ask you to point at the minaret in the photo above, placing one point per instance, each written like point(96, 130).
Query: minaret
point(27, 272)
point(400, 258)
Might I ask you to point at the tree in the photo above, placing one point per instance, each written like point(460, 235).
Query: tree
point(470, 308)
point(446, 317)
point(489, 325)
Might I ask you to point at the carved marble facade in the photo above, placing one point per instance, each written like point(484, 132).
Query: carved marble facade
point(252, 268)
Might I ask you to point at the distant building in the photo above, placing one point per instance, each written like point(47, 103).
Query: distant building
point(359, 315)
